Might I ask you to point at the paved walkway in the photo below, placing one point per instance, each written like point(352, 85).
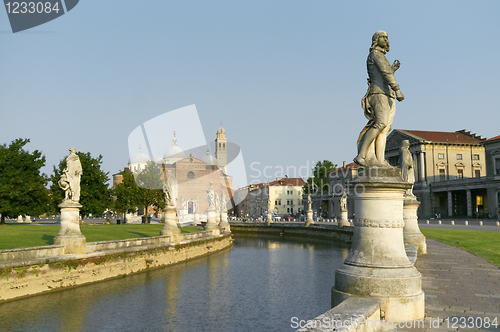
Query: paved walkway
point(458, 284)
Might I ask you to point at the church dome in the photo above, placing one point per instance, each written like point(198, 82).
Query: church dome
point(221, 130)
point(139, 158)
point(174, 153)
point(209, 159)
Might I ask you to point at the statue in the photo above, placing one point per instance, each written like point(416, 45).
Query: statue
point(183, 203)
point(269, 204)
point(70, 179)
point(343, 201)
point(309, 201)
point(168, 195)
point(172, 188)
point(378, 103)
point(217, 202)
point(211, 196)
point(196, 205)
point(223, 201)
point(407, 165)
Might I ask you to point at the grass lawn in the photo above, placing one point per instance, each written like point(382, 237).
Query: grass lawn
point(33, 235)
point(482, 243)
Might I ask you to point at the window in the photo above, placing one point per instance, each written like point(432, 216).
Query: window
point(497, 166)
point(475, 157)
point(224, 145)
point(291, 210)
point(288, 210)
point(477, 173)
point(190, 175)
point(276, 202)
point(441, 155)
point(460, 173)
point(442, 175)
point(279, 201)
point(459, 156)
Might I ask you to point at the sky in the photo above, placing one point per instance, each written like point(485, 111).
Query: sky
point(285, 78)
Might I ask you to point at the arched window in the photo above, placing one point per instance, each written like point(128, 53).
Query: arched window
point(190, 175)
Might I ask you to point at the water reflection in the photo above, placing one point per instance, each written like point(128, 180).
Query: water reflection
point(259, 284)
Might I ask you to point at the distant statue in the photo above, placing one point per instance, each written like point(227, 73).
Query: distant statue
point(168, 195)
point(211, 196)
point(70, 179)
point(343, 201)
point(183, 203)
point(173, 187)
point(223, 201)
point(407, 165)
point(309, 202)
point(378, 103)
point(217, 202)
point(269, 204)
point(196, 205)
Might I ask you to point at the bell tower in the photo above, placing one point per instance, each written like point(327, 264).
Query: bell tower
point(221, 149)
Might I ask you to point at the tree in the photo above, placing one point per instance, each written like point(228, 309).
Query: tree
point(127, 193)
point(319, 183)
point(95, 196)
point(150, 184)
point(22, 186)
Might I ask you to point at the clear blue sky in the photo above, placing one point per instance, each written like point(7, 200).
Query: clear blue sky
point(285, 77)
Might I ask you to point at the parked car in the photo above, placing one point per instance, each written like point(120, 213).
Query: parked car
point(287, 218)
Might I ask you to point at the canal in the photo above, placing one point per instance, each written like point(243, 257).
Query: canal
point(258, 285)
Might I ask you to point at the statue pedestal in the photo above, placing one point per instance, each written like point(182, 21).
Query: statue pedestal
point(224, 225)
point(411, 231)
point(310, 219)
point(169, 219)
point(196, 219)
point(211, 220)
point(269, 219)
point(70, 235)
point(377, 265)
point(183, 215)
point(20, 219)
point(344, 221)
point(27, 219)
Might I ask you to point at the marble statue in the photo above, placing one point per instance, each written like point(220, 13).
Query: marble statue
point(343, 201)
point(173, 188)
point(309, 202)
point(223, 201)
point(407, 165)
point(70, 179)
point(183, 203)
point(168, 194)
point(269, 204)
point(196, 205)
point(378, 103)
point(217, 202)
point(211, 196)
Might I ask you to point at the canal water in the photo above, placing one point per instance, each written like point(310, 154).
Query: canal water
point(265, 283)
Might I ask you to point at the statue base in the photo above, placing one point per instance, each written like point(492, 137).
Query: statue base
point(310, 219)
point(196, 219)
point(224, 224)
point(70, 235)
point(377, 265)
point(169, 219)
point(211, 221)
point(344, 221)
point(411, 231)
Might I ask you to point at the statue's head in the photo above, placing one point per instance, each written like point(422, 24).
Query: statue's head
point(406, 144)
point(72, 150)
point(380, 39)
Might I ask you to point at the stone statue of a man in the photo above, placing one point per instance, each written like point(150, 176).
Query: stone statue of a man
point(211, 196)
point(407, 165)
point(70, 179)
point(309, 202)
point(378, 103)
point(223, 201)
point(173, 188)
point(343, 201)
point(196, 205)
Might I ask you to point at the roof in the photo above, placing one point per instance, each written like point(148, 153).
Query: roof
point(351, 165)
point(442, 136)
point(493, 139)
point(288, 182)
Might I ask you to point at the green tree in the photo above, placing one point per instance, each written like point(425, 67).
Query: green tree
point(22, 186)
point(150, 184)
point(95, 196)
point(319, 182)
point(126, 193)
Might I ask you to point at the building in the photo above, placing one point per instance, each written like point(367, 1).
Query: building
point(285, 194)
point(193, 174)
point(339, 179)
point(452, 178)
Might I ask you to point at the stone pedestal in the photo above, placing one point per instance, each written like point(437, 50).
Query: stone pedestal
point(20, 219)
point(217, 217)
point(309, 219)
point(224, 225)
point(377, 265)
point(196, 219)
point(169, 219)
point(27, 219)
point(183, 213)
point(70, 235)
point(211, 220)
point(344, 221)
point(411, 231)
point(269, 219)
